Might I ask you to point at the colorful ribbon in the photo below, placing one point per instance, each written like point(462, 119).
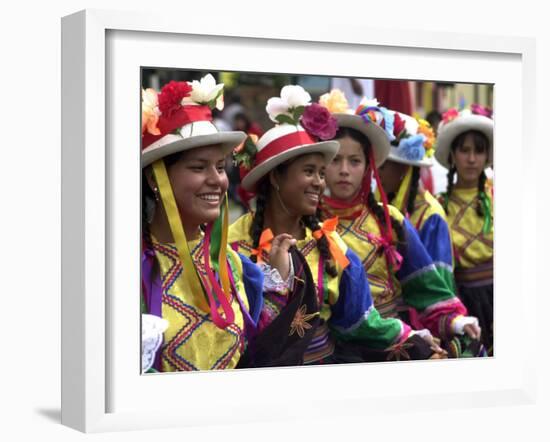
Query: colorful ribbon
point(486, 212)
point(191, 277)
point(265, 245)
point(327, 228)
point(393, 257)
point(400, 201)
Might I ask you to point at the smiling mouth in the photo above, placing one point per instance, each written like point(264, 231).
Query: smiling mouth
point(210, 197)
point(313, 195)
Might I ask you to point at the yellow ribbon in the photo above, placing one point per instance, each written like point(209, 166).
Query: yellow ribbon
point(327, 228)
point(265, 244)
point(189, 271)
point(399, 199)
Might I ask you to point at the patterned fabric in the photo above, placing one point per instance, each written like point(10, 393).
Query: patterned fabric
point(417, 289)
point(346, 301)
point(429, 220)
point(471, 246)
point(192, 341)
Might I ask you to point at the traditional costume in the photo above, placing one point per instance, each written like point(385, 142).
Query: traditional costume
point(472, 234)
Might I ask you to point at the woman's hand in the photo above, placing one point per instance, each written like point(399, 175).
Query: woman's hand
point(473, 331)
point(278, 256)
point(425, 334)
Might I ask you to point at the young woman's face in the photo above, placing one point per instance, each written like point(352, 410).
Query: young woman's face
point(199, 183)
point(469, 161)
point(303, 183)
point(391, 175)
point(344, 174)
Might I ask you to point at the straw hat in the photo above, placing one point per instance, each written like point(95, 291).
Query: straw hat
point(369, 118)
point(454, 123)
point(414, 141)
point(303, 128)
point(180, 118)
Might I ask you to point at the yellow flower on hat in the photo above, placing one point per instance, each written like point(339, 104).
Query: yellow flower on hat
point(335, 101)
point(149, 111)
point(425, 129)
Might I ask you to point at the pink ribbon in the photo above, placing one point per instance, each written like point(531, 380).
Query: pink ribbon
point(393, 257)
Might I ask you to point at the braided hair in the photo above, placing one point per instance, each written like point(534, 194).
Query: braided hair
point(370, 200)
point(310, 221)
point(481, 143)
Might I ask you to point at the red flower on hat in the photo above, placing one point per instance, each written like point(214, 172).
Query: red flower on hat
point(450, 115)
point(171, 95)
point(398, 125)
point(319, 122)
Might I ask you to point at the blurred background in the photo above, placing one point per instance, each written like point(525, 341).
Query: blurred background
point(246, 95)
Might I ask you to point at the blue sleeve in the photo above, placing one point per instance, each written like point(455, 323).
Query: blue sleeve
point(437, 240)
point(415, 256)
point(354, 298)
point(253, 279)
point(354, 316)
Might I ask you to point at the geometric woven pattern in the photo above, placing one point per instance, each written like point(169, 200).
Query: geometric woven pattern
point(471, 246)
point(193, 341)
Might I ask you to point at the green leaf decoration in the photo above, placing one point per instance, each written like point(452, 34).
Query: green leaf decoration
point(284, 119)
point(297, 112)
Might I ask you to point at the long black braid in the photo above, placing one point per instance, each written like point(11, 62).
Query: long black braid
point(372, 204)
point(450, 184)
point(312, 222)
point(378, 212)
point(147, 198)
point(257, 226)
point(413, 191)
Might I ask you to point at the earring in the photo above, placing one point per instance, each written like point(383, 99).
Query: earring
point(276, 187)
point(156, 192)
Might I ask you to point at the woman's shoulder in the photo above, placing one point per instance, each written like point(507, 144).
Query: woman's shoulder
point(395, 213)
point(240, 228)
point(434, 205)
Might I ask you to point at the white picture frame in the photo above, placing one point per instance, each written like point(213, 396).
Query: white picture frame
point(101, 388)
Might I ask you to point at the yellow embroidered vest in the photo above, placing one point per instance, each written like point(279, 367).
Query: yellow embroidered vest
point(471, 246)
point(192, 341)
point(385, 288)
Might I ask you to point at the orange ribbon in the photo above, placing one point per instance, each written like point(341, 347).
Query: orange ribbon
point(327, 228)
point(265, 244)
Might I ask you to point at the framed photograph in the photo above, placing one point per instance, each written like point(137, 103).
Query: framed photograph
point(104, 54)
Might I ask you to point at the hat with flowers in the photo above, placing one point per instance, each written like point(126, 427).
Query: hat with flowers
point(414, 142)
point(455, 122)
point(302, 128)
point(371, 119)
point(180, 118)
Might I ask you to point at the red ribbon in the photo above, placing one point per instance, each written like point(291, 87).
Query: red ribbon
point(184, 115)
point(282, 144)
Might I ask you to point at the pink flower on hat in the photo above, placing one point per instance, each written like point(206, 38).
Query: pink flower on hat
point(319, 122)
point(477, 109)
point(450, 115)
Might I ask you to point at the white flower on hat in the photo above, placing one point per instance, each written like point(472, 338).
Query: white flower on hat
point(372, 102)
point(206, 91)
point(150, 112)
point(292, 97)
